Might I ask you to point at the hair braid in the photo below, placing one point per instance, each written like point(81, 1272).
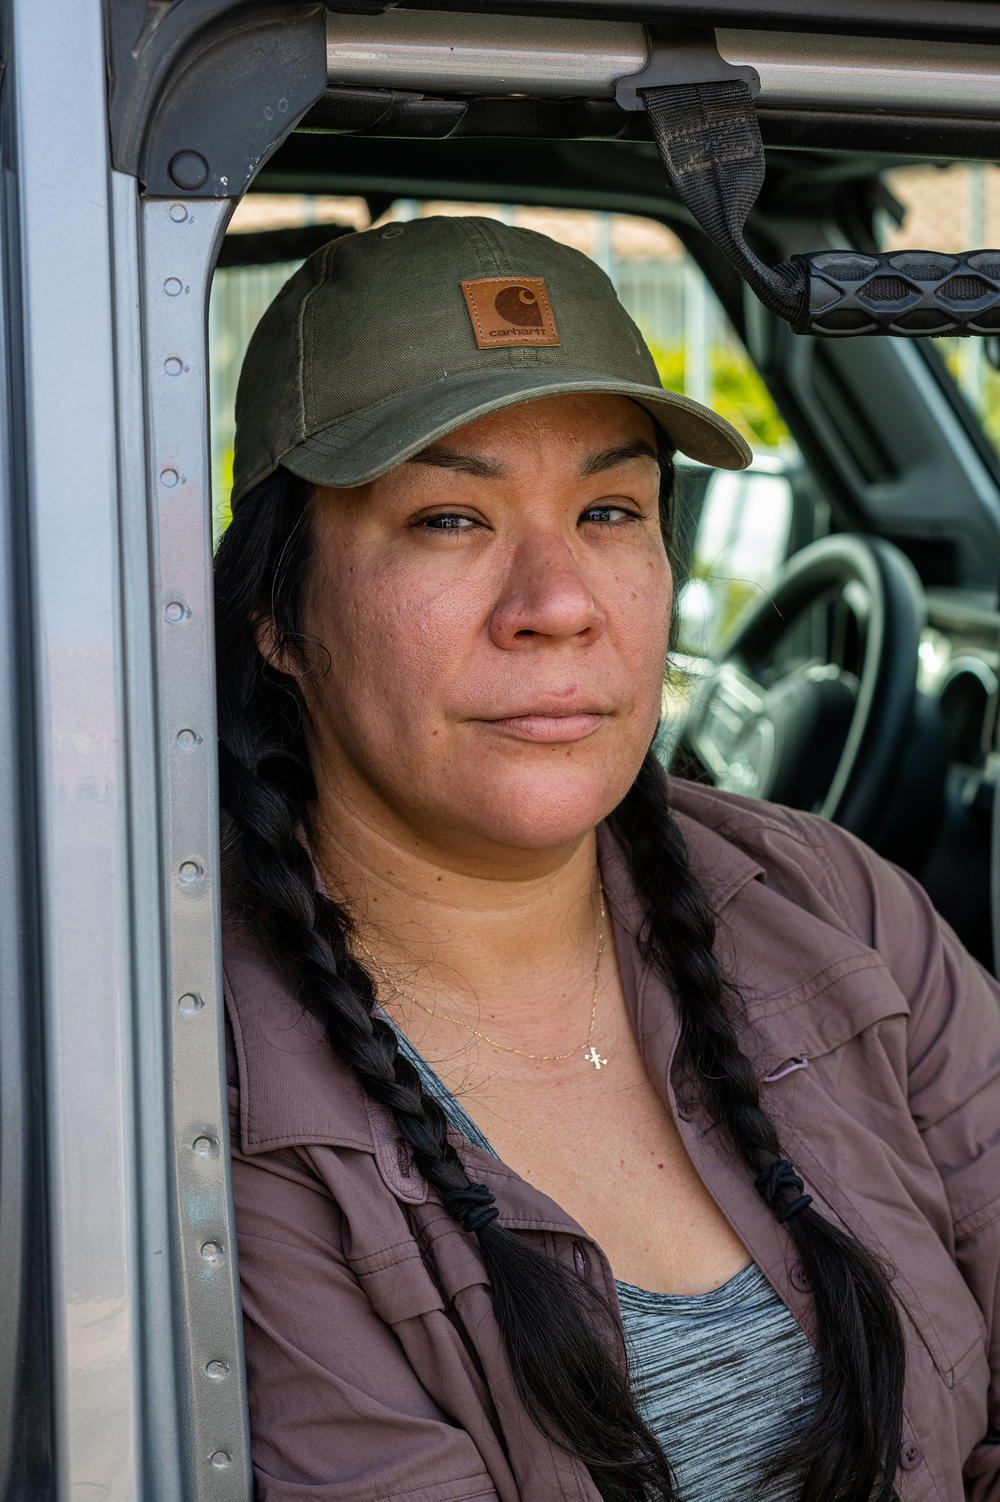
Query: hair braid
point(571, 1379)
point(850, 1450)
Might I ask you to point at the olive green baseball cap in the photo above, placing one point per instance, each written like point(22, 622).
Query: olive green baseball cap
point(386, 340)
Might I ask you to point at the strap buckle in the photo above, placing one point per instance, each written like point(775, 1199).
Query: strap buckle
point(681, 55)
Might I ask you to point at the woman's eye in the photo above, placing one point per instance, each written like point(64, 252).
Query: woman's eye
point(608, 516)
point(447, 522)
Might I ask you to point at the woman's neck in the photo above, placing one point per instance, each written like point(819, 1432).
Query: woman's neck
point(487, 946)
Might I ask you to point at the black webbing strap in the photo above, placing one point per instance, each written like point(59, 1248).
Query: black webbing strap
point(709, 142)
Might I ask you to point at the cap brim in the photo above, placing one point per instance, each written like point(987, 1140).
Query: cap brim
point(361, 447)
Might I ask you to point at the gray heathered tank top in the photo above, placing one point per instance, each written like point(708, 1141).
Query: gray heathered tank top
point(723, 1379)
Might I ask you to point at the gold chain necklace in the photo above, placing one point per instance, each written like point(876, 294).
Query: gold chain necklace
point(590, 1053)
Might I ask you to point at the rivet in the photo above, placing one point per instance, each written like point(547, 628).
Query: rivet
point(176, 611)
point(188, 738)
point(190, 870)
point(221, 1460)
point(173, 286)
point(217, 1370)
point(188, 169)
point(178, 213)
point(169, 478)
point(211, 1251)
point(173, 366)
point(190, 1002)
point(205, 1147)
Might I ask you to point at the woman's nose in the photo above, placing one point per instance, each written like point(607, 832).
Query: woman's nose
point(545, 593)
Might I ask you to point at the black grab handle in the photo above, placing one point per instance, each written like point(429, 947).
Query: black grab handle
point(701, 113)
point(909, 293)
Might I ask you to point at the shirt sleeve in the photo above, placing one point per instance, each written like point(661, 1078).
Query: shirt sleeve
point(337, 1413)
point(954, 1087)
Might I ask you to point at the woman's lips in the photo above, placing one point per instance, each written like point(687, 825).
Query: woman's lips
point(549, 727)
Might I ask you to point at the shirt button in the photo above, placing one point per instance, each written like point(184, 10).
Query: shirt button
point(684, 1112)
point(910, 1456)
point(800, 1278)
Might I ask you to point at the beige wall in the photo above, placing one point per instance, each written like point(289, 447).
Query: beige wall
point(946, 208)
point(631, 238)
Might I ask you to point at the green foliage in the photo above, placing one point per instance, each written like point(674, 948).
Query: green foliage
point(222, 484)
point(981, 387)
point(737, 391)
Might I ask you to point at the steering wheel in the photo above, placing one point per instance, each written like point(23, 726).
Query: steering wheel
point(818, 736)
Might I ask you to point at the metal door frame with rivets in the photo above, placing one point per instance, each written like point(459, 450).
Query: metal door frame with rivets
point(178, 243)
point(123, 1368)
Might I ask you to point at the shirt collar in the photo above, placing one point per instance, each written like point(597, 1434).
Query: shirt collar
point(292, 1087)
point(704, 815)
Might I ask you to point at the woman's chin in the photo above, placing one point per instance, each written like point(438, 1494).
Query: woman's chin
point(528, 817)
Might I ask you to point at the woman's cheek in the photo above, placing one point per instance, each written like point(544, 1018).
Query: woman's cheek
point(648, 614)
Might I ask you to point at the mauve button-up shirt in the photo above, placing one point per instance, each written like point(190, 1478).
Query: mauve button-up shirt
point(374, 1361)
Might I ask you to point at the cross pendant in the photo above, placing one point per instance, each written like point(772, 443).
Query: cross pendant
point(593, 1057)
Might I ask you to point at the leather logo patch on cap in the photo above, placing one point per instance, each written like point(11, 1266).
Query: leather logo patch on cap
point(510, 310)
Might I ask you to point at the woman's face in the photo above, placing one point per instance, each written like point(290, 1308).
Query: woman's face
point(495, 612)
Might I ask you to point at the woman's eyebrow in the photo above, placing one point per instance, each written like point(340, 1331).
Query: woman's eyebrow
point(483, 469)
point(492, 469)
point(607, 459)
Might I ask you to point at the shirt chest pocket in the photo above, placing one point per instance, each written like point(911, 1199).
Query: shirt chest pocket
point(420, 1271)
point(834, 1081)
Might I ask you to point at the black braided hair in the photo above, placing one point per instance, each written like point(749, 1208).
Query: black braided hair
point(563, 1345)
point(851, 1447)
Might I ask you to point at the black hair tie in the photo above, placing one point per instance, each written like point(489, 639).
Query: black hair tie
point(781, 1175)
point(472, 1205)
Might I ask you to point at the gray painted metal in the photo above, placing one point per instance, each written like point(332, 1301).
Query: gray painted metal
point(115, 796)
point(436, 51)
point(161, 1454)
point(76, 647)
point(883, 74)
point(21, 1242)
point(179, 244)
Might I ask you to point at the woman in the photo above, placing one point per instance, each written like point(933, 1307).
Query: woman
point(729, 1092)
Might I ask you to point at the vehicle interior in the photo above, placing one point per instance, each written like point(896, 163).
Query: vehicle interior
point(837, 628)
